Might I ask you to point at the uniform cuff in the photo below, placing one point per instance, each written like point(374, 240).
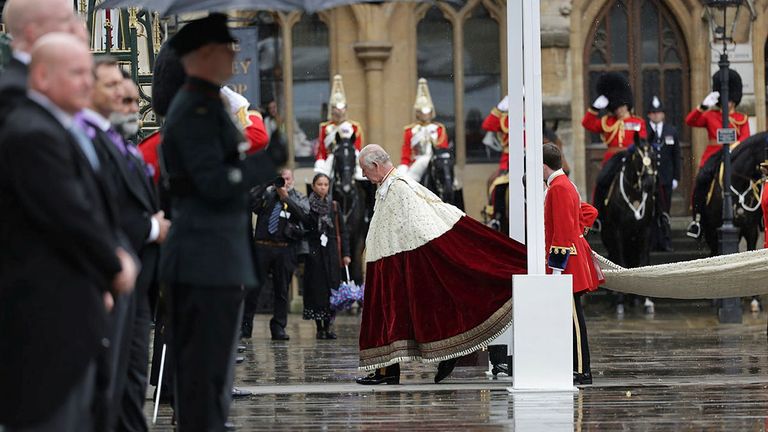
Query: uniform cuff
point(154, 230)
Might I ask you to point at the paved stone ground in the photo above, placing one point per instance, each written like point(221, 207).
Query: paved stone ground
point(675, 370)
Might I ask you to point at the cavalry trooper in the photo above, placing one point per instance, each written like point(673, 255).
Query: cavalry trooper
point(665, 139)
point(337, 125)
point(422, 137)
point(709, 116)
point(617, 129)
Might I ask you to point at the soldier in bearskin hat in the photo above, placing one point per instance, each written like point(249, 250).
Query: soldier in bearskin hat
point(709, 116)
point(617, 128)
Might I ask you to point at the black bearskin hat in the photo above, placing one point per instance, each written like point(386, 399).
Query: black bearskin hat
point(616, 88)
point(734, 85)
point(167, 78)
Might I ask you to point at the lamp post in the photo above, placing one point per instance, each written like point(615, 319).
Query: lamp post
point(728, 237)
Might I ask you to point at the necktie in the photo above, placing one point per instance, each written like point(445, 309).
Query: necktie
point(121, 145)
point(86, 146)
point(274, 218)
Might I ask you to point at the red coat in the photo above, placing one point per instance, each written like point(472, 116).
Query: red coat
point(256, 133)
point(498, 121)
point(617, 134)
point(148, 149)
point(563, 231)
point(331, 126)
point(406, 155)
point(713, 120)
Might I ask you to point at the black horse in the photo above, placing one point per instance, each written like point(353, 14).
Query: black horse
point(439, 177)
point(629, 213)
point(354, 197)
point(745, 189)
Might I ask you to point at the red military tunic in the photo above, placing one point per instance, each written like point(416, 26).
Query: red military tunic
point(563, 232)
point(713, 120)
point(256, 133)
point(148, 149)
point(617, 134)
point(498, 121)
point(440, 140)
point(330, 127)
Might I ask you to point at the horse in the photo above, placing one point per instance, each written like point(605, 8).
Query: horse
point(439, 177)
point(746, 180)
point(354, 197)
point(629, 211)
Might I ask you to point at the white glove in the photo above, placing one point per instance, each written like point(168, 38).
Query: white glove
point(402, 169)
point(504, 104)
point(674, 184)
point(235, 100)
point(601, 102)
point(711, 99)
point(346, 130)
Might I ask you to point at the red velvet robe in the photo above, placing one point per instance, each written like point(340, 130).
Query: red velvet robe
point(712, 120)
point(498, 121)
point(616, 134)
point(564, 231)
point(325, 127)
point(406, 155)
point(439, 283)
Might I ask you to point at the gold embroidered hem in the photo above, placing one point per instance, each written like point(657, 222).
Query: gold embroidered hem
point(431, 352)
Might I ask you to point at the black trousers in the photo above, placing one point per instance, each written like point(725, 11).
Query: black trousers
point(131, 417)
point(280, 262)
point(203, 329)
point(580, 340)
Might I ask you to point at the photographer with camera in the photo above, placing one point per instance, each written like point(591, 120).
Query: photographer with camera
point(279, 209)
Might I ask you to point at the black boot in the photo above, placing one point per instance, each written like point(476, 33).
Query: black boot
point(329, 334)
point(320, 330)
point(246, 328)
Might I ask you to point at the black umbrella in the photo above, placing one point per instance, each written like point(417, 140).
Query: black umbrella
point(173, 7)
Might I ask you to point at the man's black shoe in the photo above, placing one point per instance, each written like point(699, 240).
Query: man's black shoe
point(582, 378)
point(280, 336)
point(444, 369)
point(241, 348)
point(246, 329)
point(239, 393)
point(239, 359)
point(391, 375)
point(229, 426)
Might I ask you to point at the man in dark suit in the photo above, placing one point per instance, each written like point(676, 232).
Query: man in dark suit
point(145, 227)
point(664, 138)
point(62, 259)
point(206, 262)
point(27, 21)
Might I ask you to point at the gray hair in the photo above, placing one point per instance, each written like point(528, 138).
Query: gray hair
point(373, 153)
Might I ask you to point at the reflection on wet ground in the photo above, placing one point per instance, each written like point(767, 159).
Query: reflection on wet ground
point(675, 370)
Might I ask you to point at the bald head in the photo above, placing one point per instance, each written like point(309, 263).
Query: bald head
point(375, 163)
point(27, 20)
point(62, 70)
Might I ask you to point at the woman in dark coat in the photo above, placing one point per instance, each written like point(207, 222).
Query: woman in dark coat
point(328, 254)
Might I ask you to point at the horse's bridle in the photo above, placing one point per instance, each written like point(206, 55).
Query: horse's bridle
point(647, 168)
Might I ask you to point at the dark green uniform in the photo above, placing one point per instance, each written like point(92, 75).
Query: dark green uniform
point(206, 261)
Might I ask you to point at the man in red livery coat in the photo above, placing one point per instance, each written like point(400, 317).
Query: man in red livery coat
point(567, 251)
point(709, 116)
point(617, 129)
point(337, 125)
point(422, 137)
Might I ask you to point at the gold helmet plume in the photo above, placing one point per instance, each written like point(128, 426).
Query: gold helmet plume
point(338, 99)
point(423, 103)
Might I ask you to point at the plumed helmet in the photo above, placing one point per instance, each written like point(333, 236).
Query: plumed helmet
point(616, 88)
point(338, 97)
point(167, 78)
point(423, 102)
point(734, 85)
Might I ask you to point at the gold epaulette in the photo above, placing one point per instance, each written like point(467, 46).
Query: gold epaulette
point(562, 250)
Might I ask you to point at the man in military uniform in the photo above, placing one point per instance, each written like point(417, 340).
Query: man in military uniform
point(337, 125)
point(422, 137)
point(207, 262)
point(617, 129)
point(709, 116)
point(664, 138)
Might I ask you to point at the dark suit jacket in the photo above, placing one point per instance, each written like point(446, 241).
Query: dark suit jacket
point(668, 145)
point(208, 243)
point(135, 200)
point(58, 234)
point(13, 86)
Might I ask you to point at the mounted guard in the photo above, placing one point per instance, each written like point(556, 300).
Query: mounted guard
point(337, 124)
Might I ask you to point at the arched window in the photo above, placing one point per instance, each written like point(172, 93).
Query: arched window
point(311, 84)
point(435, 63)
point(482, 80)
point(641, 39)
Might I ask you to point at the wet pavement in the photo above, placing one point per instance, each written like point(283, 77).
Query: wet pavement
point(678, 369)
